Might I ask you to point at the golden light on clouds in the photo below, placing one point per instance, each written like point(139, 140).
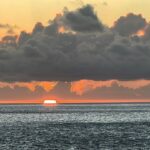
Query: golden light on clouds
point(84, 86)
point(47, 86)
point(78, 87)
point(141, 33)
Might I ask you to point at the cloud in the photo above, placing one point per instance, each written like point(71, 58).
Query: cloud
point(130, 24)
point(38, 28)
point(113, 92)
point(9, 39)
point(11, 31)
point(47, 86)
point(83, 20)
point(21, 93)
point(5, 26)
point(62, 91)
point(146, 36)
point(10, 28)
point(85, 50)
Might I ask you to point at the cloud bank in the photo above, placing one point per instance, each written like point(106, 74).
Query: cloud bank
point(62, 91)
point(84, 49)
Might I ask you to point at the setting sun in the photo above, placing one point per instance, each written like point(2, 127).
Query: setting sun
point(50, 103)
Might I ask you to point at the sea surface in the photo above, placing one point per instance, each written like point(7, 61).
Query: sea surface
point(75, 127)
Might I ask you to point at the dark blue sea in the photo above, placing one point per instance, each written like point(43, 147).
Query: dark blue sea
point(75, 127)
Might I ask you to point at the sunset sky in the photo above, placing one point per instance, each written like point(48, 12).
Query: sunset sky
point(25, 13)
point(74, 51)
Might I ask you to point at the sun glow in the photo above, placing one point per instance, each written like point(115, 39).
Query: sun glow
point(50, 103)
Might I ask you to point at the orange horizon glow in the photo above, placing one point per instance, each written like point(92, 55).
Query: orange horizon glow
point(75, 101)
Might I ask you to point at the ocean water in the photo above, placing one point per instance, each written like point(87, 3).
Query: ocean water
point(75, 127)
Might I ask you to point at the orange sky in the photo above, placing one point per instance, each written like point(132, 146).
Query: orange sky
point(73, 101)
point(25, 13)
point(78, 87)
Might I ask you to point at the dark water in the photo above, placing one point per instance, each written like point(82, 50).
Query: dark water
point(75, 127)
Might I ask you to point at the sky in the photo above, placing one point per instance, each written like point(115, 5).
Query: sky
point(74, 51)
point(26, 13)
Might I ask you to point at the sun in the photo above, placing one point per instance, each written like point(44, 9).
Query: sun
point(50, 103)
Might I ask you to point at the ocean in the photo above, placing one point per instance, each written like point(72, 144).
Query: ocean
point(75, 127)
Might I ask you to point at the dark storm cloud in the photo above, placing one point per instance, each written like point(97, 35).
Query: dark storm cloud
point(9, 39)
point(130, 24)
point(46, 54)
point(83, 20)
point(147, 33)
point(23, 37)
point(38, 28)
